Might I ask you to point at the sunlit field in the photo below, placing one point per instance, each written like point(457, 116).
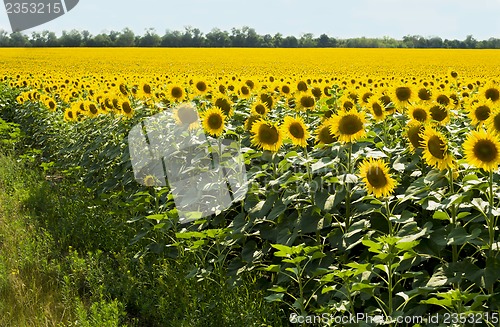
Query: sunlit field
point(372, 174)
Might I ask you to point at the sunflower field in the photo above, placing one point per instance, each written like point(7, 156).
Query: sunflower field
point(372, 175)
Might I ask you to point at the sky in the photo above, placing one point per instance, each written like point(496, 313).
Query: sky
point(448, 19)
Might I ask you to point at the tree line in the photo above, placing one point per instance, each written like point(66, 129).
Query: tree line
point(237, 37)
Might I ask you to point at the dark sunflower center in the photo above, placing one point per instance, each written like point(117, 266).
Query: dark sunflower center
point(126, 107)
point(385, 99)
point(414, 136)
point(296, 130)
point(348, 105)
point(485, 150)
point(492, 93)
point(307, 101)
point(214, 121)
point(146, 88)
point(302, 86)
point(187, 115)
point(123, 89)
point(285, 89)
point(250, 84)
point(454, 74)
point(403, 93)
point(443, 100)
point(366, 96)
point(325, 136)
point(52, 105)
point(116, 104)
point(496, 122)
point(424, 94)
point(93, 108)
point(436, 147)
point(420, 114)
point(316, 91)
point(201, 86)
point(260, 109)
point(377, 110)
point(326, 90)
point(222, 88)
point(438, 113)
point(268, 134)
point(224, 105)
point(376, 177)
point(245, 90)
point(266, 98)
point(350, 124)
point(176, 92)
point(482, 113)
point(70, 114)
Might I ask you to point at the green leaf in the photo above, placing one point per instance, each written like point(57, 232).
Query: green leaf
point(277, 289)
point(278, 297)
point(459, 236)
point(271, 268)
point(441, 215)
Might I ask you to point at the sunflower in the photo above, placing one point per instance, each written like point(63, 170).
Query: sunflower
point(49, 103)
point(224, 103)
point(413, 132)
point(296, 130)
point(375, 175)
point(439, 114)
point(201, 87)
point(323, 133)
point(480, 112)
point(213, 121)
point(493, 122)
point(452, 73)
point(244, 91)
point(70, 115)
point(436, 151)
point(377, 109)
point(482, 150)
point(491, 92)
point(348, 126)
point(346, 102)
point(259, 108)
point(250, 121)
point(302, 86)
point(424, 94)
point(402, 95)
point(285, 89)
point(267, 99)
point(176, 93)
point(304, 101)
point(127, 109)
point(186, 115)
point(266, 135)
point(419, 113)
point(444, 99)
point(145, 90)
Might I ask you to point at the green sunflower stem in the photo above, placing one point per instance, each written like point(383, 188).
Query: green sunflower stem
point(491, 218)
point(453, 215)
point(348, 189)
point(309, 174)
point(388, 215)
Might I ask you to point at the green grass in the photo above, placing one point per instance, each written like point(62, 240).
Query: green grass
point(65, 261)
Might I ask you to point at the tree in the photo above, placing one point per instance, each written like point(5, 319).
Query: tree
point(217, 38)
point(150, 39)
point(18, 39)
point(72, 38)
point(126, 38)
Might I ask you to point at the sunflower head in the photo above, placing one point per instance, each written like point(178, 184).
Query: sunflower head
point(439, 114)
point(127, 109)
point(435, 149)
point(414, 132)
point(377, 109)
point(480, 112)
point(493, 122)
point(482, 150)
point(304, 101)
point(420, 113)
point(324, 134)
point(201, 87)
point(213, 121)
point(402, 95)
point(176, 93)
point(250, 121)
point(259, 108)
point(266, 135)
point(224, 103)
point(348, 126)
point(296, 130)
point(186, 115)
point(491, 91)
point(375, 175)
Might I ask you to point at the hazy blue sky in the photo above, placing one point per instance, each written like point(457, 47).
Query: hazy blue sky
point(372, 18)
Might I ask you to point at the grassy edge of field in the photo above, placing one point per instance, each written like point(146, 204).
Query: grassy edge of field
point(45, 282)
